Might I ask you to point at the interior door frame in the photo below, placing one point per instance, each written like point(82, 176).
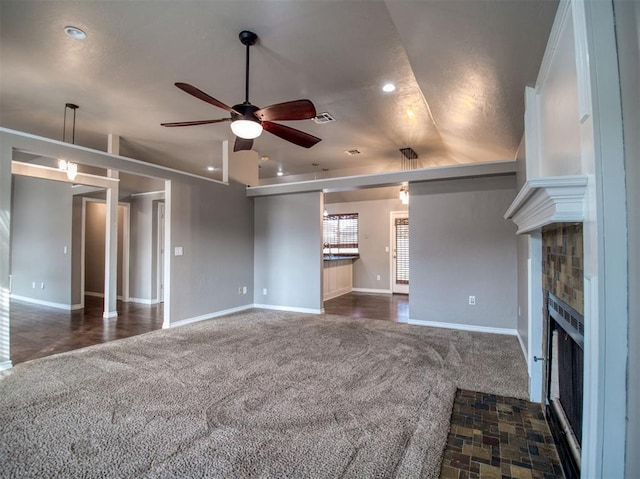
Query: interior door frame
point(393, 287)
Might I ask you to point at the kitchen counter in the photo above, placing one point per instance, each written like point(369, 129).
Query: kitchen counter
point(337, 276)
point(338, 257)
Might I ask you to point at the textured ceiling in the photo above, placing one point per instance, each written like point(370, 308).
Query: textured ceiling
point(460, 68)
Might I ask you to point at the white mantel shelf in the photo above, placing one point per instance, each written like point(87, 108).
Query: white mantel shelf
point(543, 201)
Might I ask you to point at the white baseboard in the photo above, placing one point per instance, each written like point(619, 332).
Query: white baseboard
point(25, 299)
point(143, 301)
point(101, 295)
point(75, 307)
point(463, 327)
point(109, 314)
point(524, 349)
point(204, 317)
point(289, 308)
point(336, 294)
point(370, 290)
point(5, 365)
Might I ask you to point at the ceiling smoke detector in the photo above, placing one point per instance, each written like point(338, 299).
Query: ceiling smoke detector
point(323, 117)
point(352, 152)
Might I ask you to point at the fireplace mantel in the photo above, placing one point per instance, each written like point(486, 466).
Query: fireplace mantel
point(542, 201)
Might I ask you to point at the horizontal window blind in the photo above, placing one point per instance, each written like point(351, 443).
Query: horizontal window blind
point(402, 250)
point(341, 231)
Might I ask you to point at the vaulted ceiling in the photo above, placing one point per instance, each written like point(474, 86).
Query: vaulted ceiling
point(459, 66)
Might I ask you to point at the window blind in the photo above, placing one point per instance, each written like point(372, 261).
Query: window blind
point(402, 250)
point(341, 231)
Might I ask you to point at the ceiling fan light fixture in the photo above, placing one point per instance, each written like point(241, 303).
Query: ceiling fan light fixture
point(246, 129)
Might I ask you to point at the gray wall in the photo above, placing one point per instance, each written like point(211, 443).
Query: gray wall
point(143, 246)
point(95, 244)
point(288, 250)
point(460, 245)
point(41, 229)
point(213, 224)
point(628, 37)
point(374, 224)
point(94, 247)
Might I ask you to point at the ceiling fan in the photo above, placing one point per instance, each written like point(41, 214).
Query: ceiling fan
point(248, 121)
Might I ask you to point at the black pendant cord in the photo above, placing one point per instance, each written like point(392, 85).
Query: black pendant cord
point(73, 128)
point(64, 124)
point(73, 125)
point(246, 87)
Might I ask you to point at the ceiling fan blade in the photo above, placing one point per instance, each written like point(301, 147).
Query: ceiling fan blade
point(290, 110)
point(297, 137)
point(242, 144)
point(191, 90)
point(193, 123)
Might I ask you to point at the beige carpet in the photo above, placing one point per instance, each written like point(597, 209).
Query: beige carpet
point(258, 394)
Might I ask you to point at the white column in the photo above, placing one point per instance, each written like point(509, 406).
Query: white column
point(111, 250)
point(111, 238)
point(225, 161)
point(113, 144)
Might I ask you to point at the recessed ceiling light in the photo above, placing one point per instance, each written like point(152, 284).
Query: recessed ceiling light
point(388, 87)
point(264, 158)
point(210, 168)
point(280, 173)
point(75, 32)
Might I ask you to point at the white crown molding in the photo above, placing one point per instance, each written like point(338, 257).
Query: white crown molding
point(543, 201)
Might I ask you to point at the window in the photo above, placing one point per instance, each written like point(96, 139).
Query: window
point(402, 250)
point(340, 234)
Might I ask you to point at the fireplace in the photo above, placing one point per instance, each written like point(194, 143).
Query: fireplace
point(552, 211)
point(564, 381)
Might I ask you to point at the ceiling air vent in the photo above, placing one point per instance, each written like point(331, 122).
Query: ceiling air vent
point(352, 152)
point(323, 117)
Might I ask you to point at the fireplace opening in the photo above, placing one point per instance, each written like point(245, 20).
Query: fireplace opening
point(565, 346)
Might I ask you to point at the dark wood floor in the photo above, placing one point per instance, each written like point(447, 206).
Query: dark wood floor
point(390, 307)
point(38, 331)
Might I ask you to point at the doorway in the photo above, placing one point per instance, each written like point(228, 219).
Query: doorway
point(400, 252)
point(93, 249)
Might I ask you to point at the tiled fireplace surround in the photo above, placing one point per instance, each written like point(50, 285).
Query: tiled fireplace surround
point(563, 276)
point(562, 264)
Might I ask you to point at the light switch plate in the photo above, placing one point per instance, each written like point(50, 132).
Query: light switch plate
point(178, 251)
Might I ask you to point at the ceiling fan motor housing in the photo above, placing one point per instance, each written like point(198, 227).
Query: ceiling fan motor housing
point(247, 112)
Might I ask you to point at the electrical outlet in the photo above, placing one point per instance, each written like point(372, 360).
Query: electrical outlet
point(41, 285)
point(472, 300)
point(244, 290)
point(33, 285)
point(264, 291)
point(378, 277)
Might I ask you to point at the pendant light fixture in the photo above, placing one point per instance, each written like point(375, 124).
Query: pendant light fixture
point(63, 165)
point(408, 161)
